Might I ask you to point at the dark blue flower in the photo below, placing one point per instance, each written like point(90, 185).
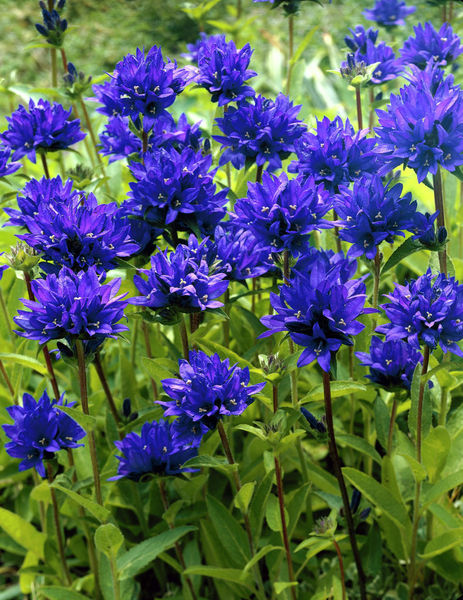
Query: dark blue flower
point(117, 141)
point(313, 421)
point(318, 309)
point(44, 128)
point(389, 13)
point(282, 213)
point(359, 38)
point(223, 70)
point(75, 82)
point(425, 230)
point(391, 363)
point(291, 7)
point(71, 229)
point(193, 49)
point(422, 127)
point(208, 390)
point(260, 131)
point(427, 310)
point(72, 306)
point(6, 167)
point(54, 26)
point(371, 213)
point(40, 429)
point(180, 281)
point(334, 155)
point(430, 46)
point(155, 452)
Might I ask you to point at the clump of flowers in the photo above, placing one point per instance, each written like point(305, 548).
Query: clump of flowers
point(261, 131)
point(154, 452)
point(208, 389)
point(44, 128)
point(54, 26)
point(371, 213)
point(389, 13)
point(281, 213)
point(429, 46)
point(75, 82)
point(334, 154)
point(40, 429)
point(427, 310)
point(391, 363)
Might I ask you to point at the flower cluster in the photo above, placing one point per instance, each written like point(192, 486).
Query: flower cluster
point(180, 282)
point(40, 429)
point(6, 166)
point(54, 26)
point(260, 131)
point(44, 128)
point(281, 213)
point(334, 155)
point(155, 452)
point(389, 13)
point(291, 7)
point(430, 46)
point(71, 229)
point(75, 82)
point(371, 213)
point(71, 306)
point(319, 308)
point(427, 310)
point(208, 390)
point(223, 70)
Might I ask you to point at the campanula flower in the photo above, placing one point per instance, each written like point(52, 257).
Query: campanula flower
point(389, 13)
point(440, 48)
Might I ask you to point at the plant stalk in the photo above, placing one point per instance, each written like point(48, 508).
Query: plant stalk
point(341, 568)
point(104, 383)
point(184, 336)
point(290, 53)
point(45, 165)
point(7, 316)
point(358, 101)
point(59, 537)
point(260, 170)
point(440, 206)
point(391, 426)
point(146, 336)
point(7, 381)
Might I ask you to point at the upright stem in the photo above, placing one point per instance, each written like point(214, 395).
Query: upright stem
point(85, 410)
point(342, 486)
point(104, 383)
point(88, 122)
point(416, 505)
point(7, 381)
point(56, 519)
point(358, 100)
point(184, 336)
point(290, 53)
point(45, 165)
point(54, 70)
point(275, 398)
point(376, 281)
point(115, 578)
point(391, 426)
point(371, 118)
point(440, 206)
point(226, 323)
point(146, 337)
point(7, 316)
point(238, 9)
point(260, 170)
point(178, 548)
point(341, 568)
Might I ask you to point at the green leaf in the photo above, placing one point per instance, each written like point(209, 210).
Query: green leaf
point(223, 352)
point(99, 512)
point(262, 552)
point(443, 542)
point(281, 586)
point(358, 443)
point(25, 361)
point(257, 431)
point(211, 462)
point(435, 449)
point(259, 500)
point(419, 472)
point(233, 575)
point(410, 246)
point(244, 496)
point(379, 496)
point(137, 558)
point(87, 422)
point(338, 389)
point(54, 592)
point(272, 513)
point(159, 368)
point(228, 530)
point(22, 532)
point(427, 405)
point(382, 420)
point(371, 551)
point(303, 45)
point(317, 544)
point(437, 490)
point(108, 539)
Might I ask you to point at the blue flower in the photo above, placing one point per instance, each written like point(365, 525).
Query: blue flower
point(72, 306)
point(223, 70)
point(291, 7)
point(54, 26)
point(389, 13)
point(391, 363)
point(208, 390)
point(282, 213)
point(427, 310)
point(359, 38)
point(155, 452)
point(44, 128)
point(193, 49)
point(425, 231)
point(6, 167)
point(71, 229)
point(117, 141)
point(334, 155)
point(180, 281)
point(430, 46)
point(422, 127)
point(40, 429)
point(318, 309)
point(371, 213)
point(260, 131)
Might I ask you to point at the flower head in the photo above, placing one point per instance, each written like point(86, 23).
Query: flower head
point(44, 128)
point(281, 213)
point(430, 46)
point(71, 306)
point(359, 38)
point(6, 166)
point(155, 452)
point(260, 131)
point(426, 232)
point(389, 13)
point(391, 363)
point(334, 154)
point(193, 49)
point(54, 26)
point(427, 310)
point(75, 82)
point(291, 7)
point(208, 389)
point(40, 429)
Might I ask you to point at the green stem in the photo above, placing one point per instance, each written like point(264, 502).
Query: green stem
point(146, 336)
point(7, 381)
point(104, 384)
point(376, 282)
point(88, 122)
point(391, 426)
point(440, 206)
point(443, 406)
point(54, 68)
point(7, 316)
point(371, 118)
point(59, 537)
point(342, 485)
point(85, 410)
point(341, 568)
point(184, 336)
point(358, 101)
point(115, 578)
point(290, 53)
point(45, 165)
point(226, 323)
point(238, 9)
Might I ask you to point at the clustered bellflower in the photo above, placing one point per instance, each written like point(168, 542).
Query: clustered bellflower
point(319, 308)
point(6, 166)
point(44, 128)
point(282, 212)
point(391, 363)
point(54, 26)
point(440, 48)
point(291, 7)
point(422, 127)
point(334, 154)
point(389, 13)
point(260, 131)
point(71, 306)
point(208, 389)
point(427, 310)
point(40, 429)
point(371, 213)
point(223, 70)
point(156, 451)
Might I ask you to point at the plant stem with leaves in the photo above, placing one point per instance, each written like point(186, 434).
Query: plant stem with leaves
point(59, 537)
